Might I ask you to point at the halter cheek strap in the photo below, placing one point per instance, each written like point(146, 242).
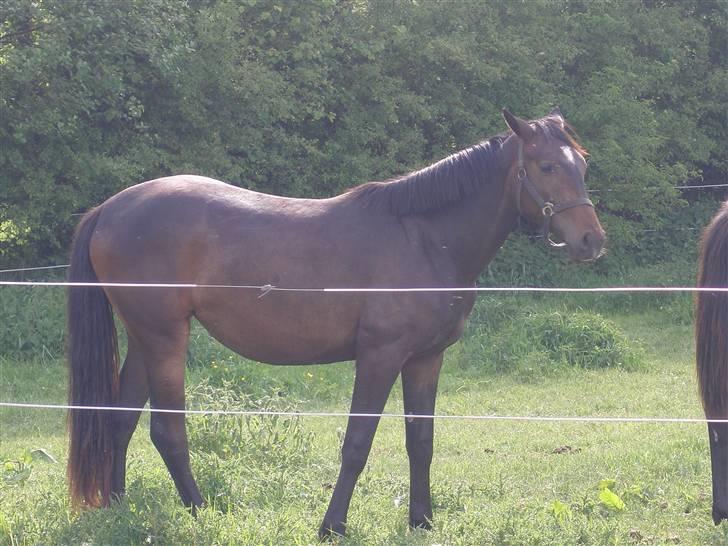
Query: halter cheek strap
point(548, 209)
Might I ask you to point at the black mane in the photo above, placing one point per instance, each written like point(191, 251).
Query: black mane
point(450, 180)
point(454, 178)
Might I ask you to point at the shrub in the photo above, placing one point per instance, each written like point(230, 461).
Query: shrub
point(583, 339)
point(33, 322)
point(531, 343)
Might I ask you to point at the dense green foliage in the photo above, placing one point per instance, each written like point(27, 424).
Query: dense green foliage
point(309, 98)
point(35, 322)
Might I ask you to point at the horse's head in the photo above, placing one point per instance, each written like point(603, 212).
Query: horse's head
point(550, 192)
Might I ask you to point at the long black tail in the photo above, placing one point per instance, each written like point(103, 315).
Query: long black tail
point(711, 318)
point(93, 365)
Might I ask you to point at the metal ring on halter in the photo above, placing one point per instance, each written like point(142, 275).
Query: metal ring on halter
point(548, 209)
point(553, 243)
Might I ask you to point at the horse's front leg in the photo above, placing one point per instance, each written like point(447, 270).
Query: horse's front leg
point(376, 371)
point(419, 388)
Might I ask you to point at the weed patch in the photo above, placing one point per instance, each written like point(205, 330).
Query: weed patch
point(267, 438)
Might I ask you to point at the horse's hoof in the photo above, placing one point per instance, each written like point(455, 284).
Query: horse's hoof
point(425, 524)
point(719, 516)
point(330, 531)
point(194, 507)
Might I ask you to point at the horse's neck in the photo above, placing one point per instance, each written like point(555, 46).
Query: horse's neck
point(476, 228)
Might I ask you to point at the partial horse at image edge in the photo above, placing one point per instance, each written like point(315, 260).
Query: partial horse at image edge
point(711, 351)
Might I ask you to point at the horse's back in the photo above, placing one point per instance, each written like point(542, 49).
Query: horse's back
point(167, 214)
point(171, 198)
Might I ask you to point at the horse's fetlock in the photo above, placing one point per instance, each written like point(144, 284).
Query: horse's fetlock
point(330, 531)
point(422, 522)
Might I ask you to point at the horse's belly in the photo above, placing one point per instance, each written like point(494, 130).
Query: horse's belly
point(284, 347)
point(283, 328)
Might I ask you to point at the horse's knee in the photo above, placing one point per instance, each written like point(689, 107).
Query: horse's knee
point(354, 458)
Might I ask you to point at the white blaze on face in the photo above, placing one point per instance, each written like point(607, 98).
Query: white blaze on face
point(568, 154)
point(573, 158)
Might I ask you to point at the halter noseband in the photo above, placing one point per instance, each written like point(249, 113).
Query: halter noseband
point(548, 209)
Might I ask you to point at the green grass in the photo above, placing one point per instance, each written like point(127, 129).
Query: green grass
point(494, 482)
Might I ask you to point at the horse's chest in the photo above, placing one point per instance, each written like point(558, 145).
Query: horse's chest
point(453, 315)
point(429, 322)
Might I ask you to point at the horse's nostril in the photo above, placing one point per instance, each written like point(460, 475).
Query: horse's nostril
point(589, 241)
point(592, 244)
point(586, 240)
point(593, 240)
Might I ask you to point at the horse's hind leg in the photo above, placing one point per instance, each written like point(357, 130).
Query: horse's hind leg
point(164, 353)
point(133, 393)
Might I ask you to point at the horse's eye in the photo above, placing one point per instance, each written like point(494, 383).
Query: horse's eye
point(548, 168)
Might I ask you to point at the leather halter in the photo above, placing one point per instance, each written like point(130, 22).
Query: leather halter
point(548, 209)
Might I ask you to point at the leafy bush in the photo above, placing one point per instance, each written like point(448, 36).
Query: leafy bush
point(33, 322)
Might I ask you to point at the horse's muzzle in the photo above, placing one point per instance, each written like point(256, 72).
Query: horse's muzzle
point(588, 248)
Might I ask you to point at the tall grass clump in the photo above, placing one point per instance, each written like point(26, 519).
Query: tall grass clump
point(506, 336)
point(677, 308)
point(583, 339)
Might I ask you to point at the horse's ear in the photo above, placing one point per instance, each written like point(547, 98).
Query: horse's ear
point(519, 126)
point(556, 113)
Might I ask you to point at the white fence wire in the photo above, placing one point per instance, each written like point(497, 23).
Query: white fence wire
point(265, 289)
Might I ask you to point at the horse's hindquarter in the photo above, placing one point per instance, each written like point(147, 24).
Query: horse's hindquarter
point(193, 230)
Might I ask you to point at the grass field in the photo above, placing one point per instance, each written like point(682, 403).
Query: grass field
point(268, 481)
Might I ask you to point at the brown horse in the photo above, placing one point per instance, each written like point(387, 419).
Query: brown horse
point(711, 350)
point(437, 227)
